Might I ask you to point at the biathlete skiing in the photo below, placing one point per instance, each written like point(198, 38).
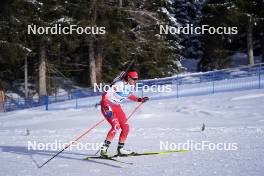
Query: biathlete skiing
point(112, 111)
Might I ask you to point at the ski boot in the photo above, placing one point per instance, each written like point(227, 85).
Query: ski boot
point(123, 152)
point(104, 148)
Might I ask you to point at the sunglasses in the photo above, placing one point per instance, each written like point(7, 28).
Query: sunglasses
point(135, 79)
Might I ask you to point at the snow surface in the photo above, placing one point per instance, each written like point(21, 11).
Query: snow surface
point(234, 117)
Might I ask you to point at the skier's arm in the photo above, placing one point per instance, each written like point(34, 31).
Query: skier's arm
point(104, 100)
point(137, 99)
point(105, 106)
point(133, 98)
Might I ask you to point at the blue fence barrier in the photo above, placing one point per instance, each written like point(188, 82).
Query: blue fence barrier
point(21, 103)
point(241, 78)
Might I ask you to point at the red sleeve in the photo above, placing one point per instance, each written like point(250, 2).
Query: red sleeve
point(133, 98)
point(104, 99)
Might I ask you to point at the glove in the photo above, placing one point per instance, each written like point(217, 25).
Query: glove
point(144, 99)
point(108, 111)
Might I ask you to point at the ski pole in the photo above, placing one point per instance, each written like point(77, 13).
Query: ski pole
point(130, 115)
point(77, 139)
point(133, 112)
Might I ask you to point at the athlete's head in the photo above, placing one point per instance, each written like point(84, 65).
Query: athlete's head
point(132, 77)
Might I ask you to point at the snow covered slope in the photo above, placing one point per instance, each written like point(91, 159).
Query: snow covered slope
point(235, 117)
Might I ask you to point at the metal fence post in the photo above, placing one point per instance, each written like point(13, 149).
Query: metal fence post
point(213, 81)
point(4, 110)
point(177, 84)
point(138, 87)
point(259, 73)
point(46, 101)
point(142, 93)
point(76, 99)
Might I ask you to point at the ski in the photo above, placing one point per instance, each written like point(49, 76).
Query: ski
point(112, 158)
point(136, 154)
point(151, 153)
point(108, 158)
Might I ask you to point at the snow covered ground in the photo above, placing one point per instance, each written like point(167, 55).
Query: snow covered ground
point(234, 117)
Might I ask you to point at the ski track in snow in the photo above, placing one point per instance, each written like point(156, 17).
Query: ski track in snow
point(235, 117)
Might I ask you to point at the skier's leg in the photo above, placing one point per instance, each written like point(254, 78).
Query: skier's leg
point(123, 135)
point(114, 122)
point(123, 124)
point(115, 126)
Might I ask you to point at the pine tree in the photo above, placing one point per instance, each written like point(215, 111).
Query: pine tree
point(216, 47)
point(181, 13)
point(247, 16)
point(14, 44)
point(131, 31)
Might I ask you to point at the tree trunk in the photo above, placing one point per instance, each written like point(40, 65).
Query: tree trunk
point(262, 50)
point(92, 62)
point(250, 41)
point(120, 3)
point(92, 66)
point(42, 71)
point(98, 61)
point(26, 78)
